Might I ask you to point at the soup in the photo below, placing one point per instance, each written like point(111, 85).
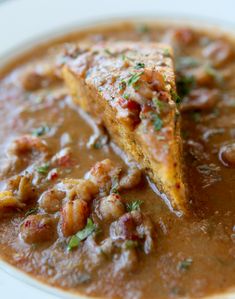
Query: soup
point(78, 214)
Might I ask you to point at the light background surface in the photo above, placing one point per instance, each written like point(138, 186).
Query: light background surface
point(22, 20)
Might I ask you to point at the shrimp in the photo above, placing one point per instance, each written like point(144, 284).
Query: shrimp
point(111, 207)
point(102, 174)
point(131, 179)
point(38, 229)
point(22, 187)
point(51, 200)
point(134, 226)
point(74, 216)
point(19, 190)
point(80, 189)
point(8, 202)
point(27, 144)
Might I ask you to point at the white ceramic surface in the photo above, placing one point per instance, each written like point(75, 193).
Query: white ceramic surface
point(24, 20)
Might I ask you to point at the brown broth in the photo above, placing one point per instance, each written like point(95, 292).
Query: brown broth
point(205, 239)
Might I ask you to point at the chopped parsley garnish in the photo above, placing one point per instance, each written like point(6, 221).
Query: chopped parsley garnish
point(184, 85)
point(107, 51)
point(139, 65)
point(196, 116)
point(126, 96)
point(40, 131)
point(31, 211)
point(43, 169)
point(142, 28)
point(185, 264)
point(214, 74)
point(129, 244)
point(82, 234)
point(124, 57)
point(175, 97)
point(122, 85)
point(166, 52)
point(134, 205)
point(158, 104)
point(157, 122)
point(73, 242)
point(100, 142)
point(134, 78)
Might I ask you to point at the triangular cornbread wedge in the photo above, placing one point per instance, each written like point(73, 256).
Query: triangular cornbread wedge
point(130, 86)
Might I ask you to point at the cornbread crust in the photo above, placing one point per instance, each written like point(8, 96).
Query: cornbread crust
point(131, 88)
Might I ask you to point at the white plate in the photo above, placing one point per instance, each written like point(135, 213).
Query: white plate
point(24, 20)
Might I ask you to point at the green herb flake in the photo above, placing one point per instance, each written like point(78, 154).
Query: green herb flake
point(97, 145)
point(196, 116)
point(122, 85)
point(126, 96)
point(87, 231)
point(134, 78)
point(100, 142)
point(214, 74)
point(73, 242)
point(185, 264)
point(158, 104)
point(40, 131)
point(130, 244)
point(43, 169)
point(31, 211)
point(157, 122)
point(124, 57)
point(82, 234)
point(115, 185)
point(175, 97)
point(185, 85)
point(142, 28)
point(166, 52)
point(134, 205)
point(107, 51)
point(139, 65)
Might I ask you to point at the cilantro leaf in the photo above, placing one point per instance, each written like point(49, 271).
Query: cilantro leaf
point(134, 205)
point(175, 96)
point(166, 52)
point(157, 122)
point(184, 85)
point(134, 78)
point(139, 65)
point(82, 234)
point(185, 264)
point(73, 242)
point(40, 131)
point(31, 211)
point(216, 75)
point(142, 28)
point(87, 231)
point(43, 169)
point(130, 244)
